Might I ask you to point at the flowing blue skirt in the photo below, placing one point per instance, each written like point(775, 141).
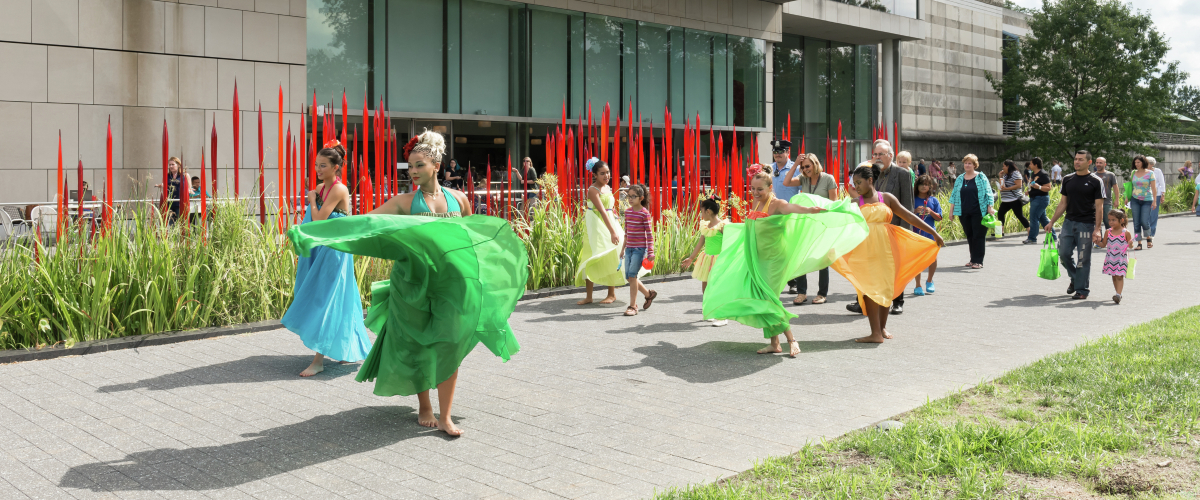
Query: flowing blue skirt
point(327, 311)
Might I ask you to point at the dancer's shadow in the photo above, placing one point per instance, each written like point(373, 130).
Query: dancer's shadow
point(1182, 243)
point(661, 327)
point(1027, 301)
point(254, 369)
point(804, 319)
point(1093, 304)
point(705, 363)
point(697, 298)
point(565, 310)
point(262, 455)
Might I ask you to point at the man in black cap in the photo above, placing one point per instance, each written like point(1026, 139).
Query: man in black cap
point(781, 152)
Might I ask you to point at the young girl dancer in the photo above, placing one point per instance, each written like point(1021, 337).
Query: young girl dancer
point(454, 284)
point(599, 261)
point(708, 247)
point(926, 206)
point(889, 256)
point(1116, 258)
point(638, 245)
point(779, 241)
point(327, 310)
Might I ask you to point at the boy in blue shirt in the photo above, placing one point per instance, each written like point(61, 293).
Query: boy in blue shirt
point(926, 206)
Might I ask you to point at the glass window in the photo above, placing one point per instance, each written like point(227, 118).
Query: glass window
point(816, 89)
point(337, 48)
point(653, 70)
point(415, 27)
point(551, 61)
point(486, 32)
point(578, 48)
point(720, 79)
point(747, 76)
point(629, 68)
point(864, 92)
point(841, 89)
point(697, 76)
point(454, 56)
point(676, 77)
point(603, 63)
point(789, 85)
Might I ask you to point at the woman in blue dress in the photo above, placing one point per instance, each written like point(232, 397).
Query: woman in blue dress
point(326, 310)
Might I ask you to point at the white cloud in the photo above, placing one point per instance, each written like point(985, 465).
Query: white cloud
point(1174, 19)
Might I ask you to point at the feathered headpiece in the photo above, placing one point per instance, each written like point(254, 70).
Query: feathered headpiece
point(592, 162)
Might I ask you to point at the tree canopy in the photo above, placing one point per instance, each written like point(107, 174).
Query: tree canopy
point(1091, 74)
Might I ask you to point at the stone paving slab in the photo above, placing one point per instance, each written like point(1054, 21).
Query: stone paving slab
point(595, 406)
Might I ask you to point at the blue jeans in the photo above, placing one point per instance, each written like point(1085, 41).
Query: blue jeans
point(1154, 216)
point(1141, 218)
point(1037, 216)
point(633, 261)
point(1075, 253)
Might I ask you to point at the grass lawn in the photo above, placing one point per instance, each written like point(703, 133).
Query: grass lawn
point(1118, 417)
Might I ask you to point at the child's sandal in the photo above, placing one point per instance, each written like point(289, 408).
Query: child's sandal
point(631, 311)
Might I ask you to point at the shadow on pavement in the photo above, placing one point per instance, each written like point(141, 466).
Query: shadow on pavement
point(1028, 301)
point(706, 363)
point(272, 452)
point(1181, 243)
point(660, 327)
point(254, 369)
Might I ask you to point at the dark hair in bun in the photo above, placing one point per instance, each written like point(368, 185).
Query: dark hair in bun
point(336, 155)
point(596, 166)
point(869, 173)
point(712, 204)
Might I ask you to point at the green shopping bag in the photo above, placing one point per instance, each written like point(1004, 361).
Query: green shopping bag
point(1048, 268)
point(989, 221)
point(1129, 269)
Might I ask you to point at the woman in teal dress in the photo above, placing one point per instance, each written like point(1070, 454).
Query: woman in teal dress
point(326, 309)
point(455, 281)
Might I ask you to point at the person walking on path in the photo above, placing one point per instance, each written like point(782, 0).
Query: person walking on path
point(1039, 200)
point(813, 180)
point(936, 171)
point(782, 183)
point(327, 309)
point(599, 261)
point(1160, 182)
point(638, 245)
point(1142, 201)
point(889, 256)
point(929, 210)
point(708, 247)
point(1082, 201)
point(1112, 191)
point(1056, 173)
point(1196, 197)
point(897, 182)
point(1011, 200)
point(971, 199)
point(1116, 255)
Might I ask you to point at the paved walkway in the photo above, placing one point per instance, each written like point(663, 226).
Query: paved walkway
point(596, 405)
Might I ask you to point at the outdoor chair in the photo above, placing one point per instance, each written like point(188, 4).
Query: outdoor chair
point(44, 219)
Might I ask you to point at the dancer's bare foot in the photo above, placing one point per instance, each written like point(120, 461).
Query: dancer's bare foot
point(313, 369)
point(795, 348)
point(609, 300)
point(426, 419)
point(584, 302)
point(886, 334)
point(447, 426)
point(771, 349)
point(873, 339)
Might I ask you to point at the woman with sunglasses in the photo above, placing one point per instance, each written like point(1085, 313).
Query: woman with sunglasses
point(812, 180)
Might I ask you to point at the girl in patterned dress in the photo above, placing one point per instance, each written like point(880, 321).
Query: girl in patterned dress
point(708, 247)
point(1116, 257)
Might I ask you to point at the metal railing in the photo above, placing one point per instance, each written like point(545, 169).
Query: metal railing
point(1011, 128)
point(1168, 138)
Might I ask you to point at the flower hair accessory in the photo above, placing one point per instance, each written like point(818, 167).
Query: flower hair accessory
point(754, 169)
point(410, 145)
point(592, 162)
point(332, 144)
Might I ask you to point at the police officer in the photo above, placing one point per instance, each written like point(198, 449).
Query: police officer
point(781, 152)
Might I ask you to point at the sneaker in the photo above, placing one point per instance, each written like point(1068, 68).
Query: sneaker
point(854, 307)
point(1071, 289)
point(721, 322)
point(1117, 298)
point(919, 292)
point(1079, 296)
point(928, 287)
point(1029, 242)
point(897, 309)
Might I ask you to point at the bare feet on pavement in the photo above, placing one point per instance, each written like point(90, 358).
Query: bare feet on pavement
point(447, 426)
point(426, 418)
point(313, 369)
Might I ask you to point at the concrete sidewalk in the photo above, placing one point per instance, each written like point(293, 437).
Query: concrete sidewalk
point(596, 405)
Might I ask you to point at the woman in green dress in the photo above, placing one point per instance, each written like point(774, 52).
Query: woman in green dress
point(455, 282)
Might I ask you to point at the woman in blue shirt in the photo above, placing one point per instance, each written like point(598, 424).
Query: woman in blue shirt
point(971, 199)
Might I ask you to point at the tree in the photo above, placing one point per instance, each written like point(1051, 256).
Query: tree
point(1186, 102)
point(1089, 75)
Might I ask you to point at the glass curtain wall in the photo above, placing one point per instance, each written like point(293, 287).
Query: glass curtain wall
point(821, 83)
point(337, 48)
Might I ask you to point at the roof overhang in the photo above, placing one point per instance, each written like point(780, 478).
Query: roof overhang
point(846, 23)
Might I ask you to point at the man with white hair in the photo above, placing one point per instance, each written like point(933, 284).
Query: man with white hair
point(899, 182)
point(1111, 190)
point(1160, 181)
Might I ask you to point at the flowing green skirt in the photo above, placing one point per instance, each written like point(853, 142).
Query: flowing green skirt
point(759, 256)
point(454, 284)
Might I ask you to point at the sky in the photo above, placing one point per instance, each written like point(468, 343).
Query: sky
point(1176, 19)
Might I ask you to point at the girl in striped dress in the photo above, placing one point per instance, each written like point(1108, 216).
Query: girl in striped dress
point(638, 245)
point(1116, 257)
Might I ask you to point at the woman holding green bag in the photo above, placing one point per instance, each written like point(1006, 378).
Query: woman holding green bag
point(970, 200)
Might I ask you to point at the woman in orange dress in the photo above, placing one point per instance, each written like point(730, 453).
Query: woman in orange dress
point(890, 257)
